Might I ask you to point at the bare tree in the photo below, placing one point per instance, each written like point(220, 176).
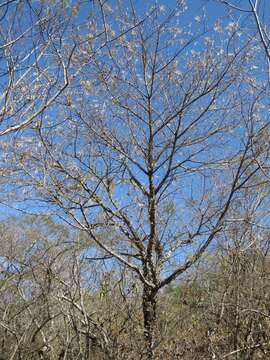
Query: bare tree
point(146, 149)
point(37, 44)
point(251, 18)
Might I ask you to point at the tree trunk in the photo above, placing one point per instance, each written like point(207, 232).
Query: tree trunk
point(149, 316)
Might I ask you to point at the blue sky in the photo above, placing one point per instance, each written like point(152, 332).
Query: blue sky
point(195, 8)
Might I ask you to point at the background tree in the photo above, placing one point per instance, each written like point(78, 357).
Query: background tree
point(37, 42)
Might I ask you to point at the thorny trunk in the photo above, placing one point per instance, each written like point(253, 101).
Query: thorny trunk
point(149, 316)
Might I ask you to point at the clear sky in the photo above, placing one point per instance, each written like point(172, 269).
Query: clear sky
point(207, 10)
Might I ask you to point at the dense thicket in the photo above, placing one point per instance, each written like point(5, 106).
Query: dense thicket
point(56, 303)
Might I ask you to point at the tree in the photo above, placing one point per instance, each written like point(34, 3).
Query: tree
point(147, 148)
point(44, 308)
point(250, 18)
point(32, 254)
point(38, 40)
